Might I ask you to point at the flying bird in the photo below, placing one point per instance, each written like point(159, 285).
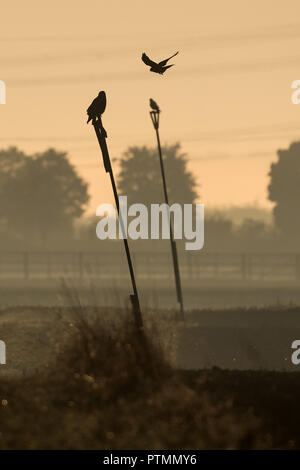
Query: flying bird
point(159, 67)
point(154, 105)
point(97, 107)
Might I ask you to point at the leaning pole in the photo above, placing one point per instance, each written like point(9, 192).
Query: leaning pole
point(101, 136)
point(154, 114)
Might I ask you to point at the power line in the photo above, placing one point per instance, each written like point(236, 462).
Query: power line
point(246, 132)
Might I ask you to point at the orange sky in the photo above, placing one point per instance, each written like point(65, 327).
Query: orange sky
point(227, 100)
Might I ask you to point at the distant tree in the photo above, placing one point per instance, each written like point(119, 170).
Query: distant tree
point(11, 160)
point(284, 190)
point(140, 176)
point(239, 213)
point(254, 235)
point(252, 229)
point(40, 194)
point(218, 233)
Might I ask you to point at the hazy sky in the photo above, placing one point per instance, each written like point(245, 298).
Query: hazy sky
point(227, 100)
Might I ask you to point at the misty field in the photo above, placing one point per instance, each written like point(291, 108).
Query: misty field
point(83, 378)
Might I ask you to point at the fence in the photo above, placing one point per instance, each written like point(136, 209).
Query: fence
point(156, 266)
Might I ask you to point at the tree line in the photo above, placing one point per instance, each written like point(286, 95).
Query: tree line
point(44, 200)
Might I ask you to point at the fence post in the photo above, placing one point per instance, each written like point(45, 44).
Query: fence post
point(80, 264)
point(297, 267)
point(48, 260)
point(244, 266)
point(25, 265)
point(190, 270)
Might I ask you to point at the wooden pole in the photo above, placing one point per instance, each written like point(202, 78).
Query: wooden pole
point(155, 120)
point(134, 298)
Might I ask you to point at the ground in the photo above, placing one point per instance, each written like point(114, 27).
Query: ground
point(75, 380)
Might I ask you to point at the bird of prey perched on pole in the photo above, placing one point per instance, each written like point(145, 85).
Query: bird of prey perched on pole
point(97, 107)
point(159, 67)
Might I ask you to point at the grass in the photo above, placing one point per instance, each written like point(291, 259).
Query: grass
point(94, 383)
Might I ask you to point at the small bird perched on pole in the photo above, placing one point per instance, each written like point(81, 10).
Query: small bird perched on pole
point(154, 105)
point(97, 107)
point(159, 67)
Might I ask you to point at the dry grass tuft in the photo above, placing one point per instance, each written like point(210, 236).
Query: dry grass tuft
point(112, 388)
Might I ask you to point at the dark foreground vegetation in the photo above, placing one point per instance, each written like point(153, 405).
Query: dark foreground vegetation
point(111, 388)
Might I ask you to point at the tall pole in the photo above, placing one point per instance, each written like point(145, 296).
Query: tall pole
point(101, 136)
point(154, 114)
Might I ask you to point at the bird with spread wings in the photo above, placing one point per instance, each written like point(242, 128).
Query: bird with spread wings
point(159, 67)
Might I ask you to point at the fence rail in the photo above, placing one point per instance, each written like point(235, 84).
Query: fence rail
point(155, 266)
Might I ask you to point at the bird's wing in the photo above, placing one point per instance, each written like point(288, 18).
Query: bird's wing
point(147, 60)
point(164, 62)
point(91, 108)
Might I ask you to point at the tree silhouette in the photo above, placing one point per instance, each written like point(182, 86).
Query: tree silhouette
point(40, 194)
point(140, 176)
point(284, 190)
